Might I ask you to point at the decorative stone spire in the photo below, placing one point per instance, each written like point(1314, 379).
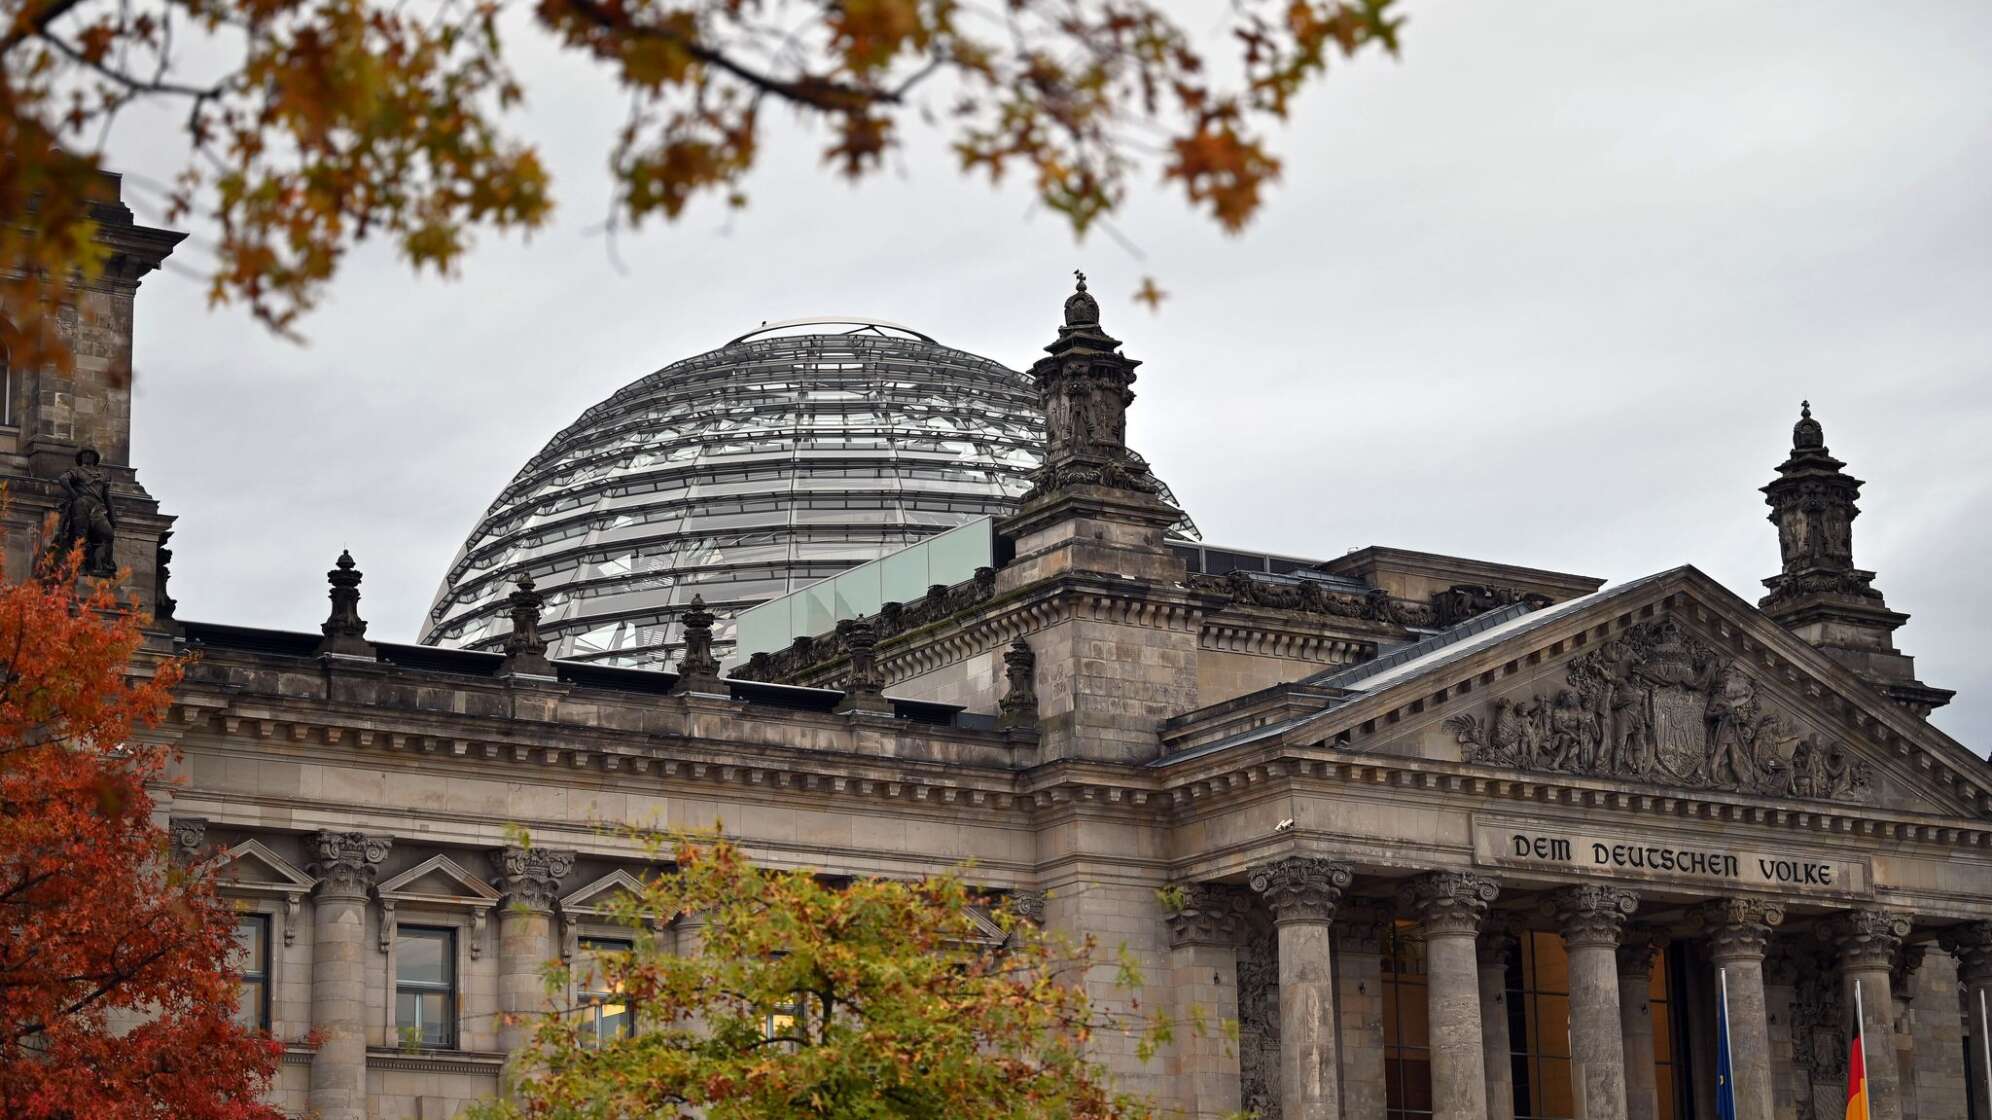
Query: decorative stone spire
point(1018, 710)
point(1084, 388)
point(1819, 594)
point(525, 650)
point(698, 669)
point(345, 631)
point(864, 691)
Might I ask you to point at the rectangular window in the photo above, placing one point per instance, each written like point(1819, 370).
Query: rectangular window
point(252, 964)
point(425, 987)
point(605, 1014)
point(1407, 1049)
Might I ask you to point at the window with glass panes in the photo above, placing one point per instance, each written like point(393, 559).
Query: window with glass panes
point(1407, 1049)
point(604, 1014)
point(425, 986)
point(1666, 1071)
point(1539, 1027)
point(252, 966)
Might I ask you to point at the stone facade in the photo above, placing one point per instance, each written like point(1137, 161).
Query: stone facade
point(1265, 788)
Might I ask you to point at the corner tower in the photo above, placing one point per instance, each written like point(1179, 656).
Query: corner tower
point(1820, 595)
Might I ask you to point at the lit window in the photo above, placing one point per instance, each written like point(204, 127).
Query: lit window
point(252, 963)
point(605, 1015)
point(425, 987)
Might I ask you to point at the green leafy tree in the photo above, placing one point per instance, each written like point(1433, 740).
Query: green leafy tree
point(313, 124)
point(869, 999)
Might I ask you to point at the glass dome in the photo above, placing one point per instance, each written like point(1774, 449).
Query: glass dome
point(792, 453)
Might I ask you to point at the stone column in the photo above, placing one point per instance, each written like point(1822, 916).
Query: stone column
point(1203, 958)
point(1635, 980)
point(1971, 944)
point(1496, 944)
point(1449, 906)
point(1592, 918)
point(1302, 893)
point(344, 863)
point(1739, 930)
point(1867, 941)
point(528, 881)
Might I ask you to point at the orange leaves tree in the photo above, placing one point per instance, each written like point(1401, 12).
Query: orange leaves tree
point(116, 995)
point(311, 124)
point(806, 998)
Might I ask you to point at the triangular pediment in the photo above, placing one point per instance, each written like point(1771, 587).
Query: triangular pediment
point(601, 896)
point(252, 866)
point(439, 879)
point(1669, 681)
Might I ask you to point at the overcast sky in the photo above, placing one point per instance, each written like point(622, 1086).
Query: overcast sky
point(1546, 290)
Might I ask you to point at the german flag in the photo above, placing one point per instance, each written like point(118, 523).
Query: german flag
point(1857, 1083)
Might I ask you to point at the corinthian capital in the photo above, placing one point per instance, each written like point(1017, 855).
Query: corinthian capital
point(1210, 915)
point(1593, 916)
point(1451, 903)
point(1636, 953)
point(1971, 944)
point(530, 877)
point(1739, 928)
point(345, 862)
point(1302, 888)
point(1869, 938)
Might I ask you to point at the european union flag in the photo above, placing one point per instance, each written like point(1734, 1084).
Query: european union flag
point(1725, 1077)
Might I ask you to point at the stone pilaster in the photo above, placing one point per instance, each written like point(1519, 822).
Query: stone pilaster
point(528, 880)
point(1592, 919)
point(1203, 958)
point(1302, 893)
point(1971, 945)
point(345, 863)
point(1361, 940)
point(1867, 941)
point(1496, 946)
point(1739, 931)
point(1635, 979)
point(1449, 906)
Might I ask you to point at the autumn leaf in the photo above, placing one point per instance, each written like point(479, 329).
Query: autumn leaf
point(1149, 294)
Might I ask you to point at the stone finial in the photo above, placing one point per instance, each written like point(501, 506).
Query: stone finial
point(864, 689)
point(1302, 888)
point(1211, 914)
point(1018, 709)
point(1081, 309)
point(1971, 944)
point(1807, 435)
point(1450, 902)
point(163, 605)
point(1739, 928)
point(1593, 916)
point(189, 836)
point(530, 877)
point(345, 631)
point(698, 669)
point(525, 649)
point(1084, 388)
point(1868, 939)
point(345, 862)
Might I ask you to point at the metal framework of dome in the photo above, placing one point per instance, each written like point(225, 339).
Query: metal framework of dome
point(792, 453)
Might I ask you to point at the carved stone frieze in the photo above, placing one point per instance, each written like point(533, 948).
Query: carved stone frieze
point(1450, 903)
point(1211, 914)
point(345, 862)
point(1028, 905)
point(1971, 944)
point(1868, 939)
point(530, 877)
point(1302, 888)
point(941, 602)
point(1314, 597)
point(1739, 928)
point(1592, 915)
point(1657, 705)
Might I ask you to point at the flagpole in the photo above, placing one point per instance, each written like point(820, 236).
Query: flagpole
point(1728, 1043)
point(1985, 1040)
point(1860, 1032)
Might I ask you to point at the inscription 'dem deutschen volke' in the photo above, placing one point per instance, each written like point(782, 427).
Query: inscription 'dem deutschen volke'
point(1648, 858)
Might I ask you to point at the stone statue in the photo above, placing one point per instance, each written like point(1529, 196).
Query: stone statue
point(88, 519)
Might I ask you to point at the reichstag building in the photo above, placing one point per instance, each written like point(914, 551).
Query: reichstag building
point(1454, 838)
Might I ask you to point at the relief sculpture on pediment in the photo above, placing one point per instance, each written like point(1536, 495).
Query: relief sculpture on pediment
point(1657, 705)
